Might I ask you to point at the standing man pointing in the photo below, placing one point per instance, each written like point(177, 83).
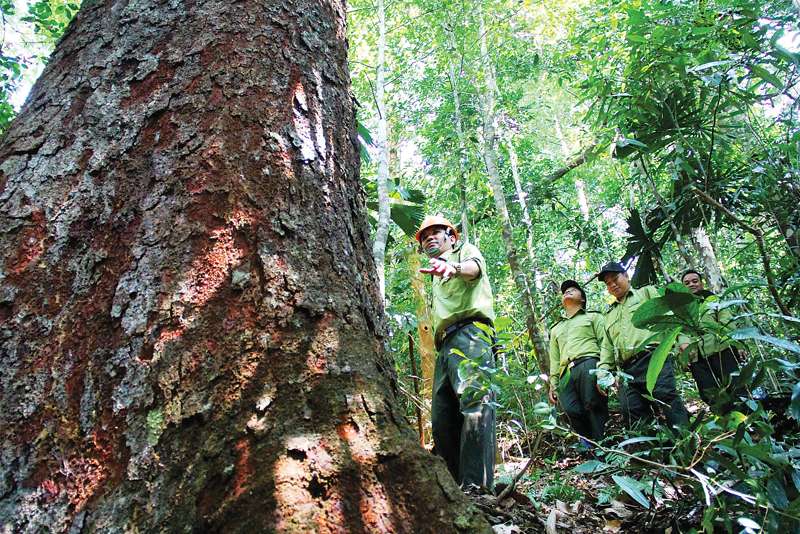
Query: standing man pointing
point(463, 417)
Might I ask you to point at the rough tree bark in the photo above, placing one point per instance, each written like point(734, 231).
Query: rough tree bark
point(190, 326)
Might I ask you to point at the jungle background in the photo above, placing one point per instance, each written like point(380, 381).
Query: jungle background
point(560, 136)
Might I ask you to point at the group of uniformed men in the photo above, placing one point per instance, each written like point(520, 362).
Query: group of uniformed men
point(584, 341)
point(463, 414)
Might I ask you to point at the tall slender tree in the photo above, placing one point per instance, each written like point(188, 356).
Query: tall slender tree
point(487, 101)
point(384, 208)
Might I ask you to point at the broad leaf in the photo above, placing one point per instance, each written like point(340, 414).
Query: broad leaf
point(592, 466)
point(659, 357)
point(628, 485)
point(753, 333)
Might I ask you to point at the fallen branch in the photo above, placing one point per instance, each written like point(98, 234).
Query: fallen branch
point(510, 487)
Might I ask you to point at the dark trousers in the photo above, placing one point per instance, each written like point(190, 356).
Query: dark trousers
point(585, 407)
point(714, 373)
point(635, 407)
point(463, 416)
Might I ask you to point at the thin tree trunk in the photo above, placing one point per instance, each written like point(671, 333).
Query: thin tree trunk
point(384, 208)
point(580, 187)
point(708, 259)
point(687, 258)
point(462, 156)
point(190, 327)
point(758, 235)
point(490, 158)
point(521, 195)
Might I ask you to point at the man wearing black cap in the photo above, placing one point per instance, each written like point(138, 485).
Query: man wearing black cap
point(630, 348)
point(574, 352)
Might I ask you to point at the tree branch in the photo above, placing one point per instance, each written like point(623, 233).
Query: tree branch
point(759, 237)
point(575, 162)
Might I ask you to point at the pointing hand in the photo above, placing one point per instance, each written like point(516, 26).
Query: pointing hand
point(439, 267)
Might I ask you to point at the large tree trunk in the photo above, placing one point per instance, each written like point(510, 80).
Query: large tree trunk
point(191, 328)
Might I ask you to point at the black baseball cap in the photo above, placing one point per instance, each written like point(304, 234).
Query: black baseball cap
point(566, 284)
point(611, 267)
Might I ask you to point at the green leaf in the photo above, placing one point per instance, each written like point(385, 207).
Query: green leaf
point(636, 38)
point(765, 75)
point(408, 218)
point(628, 485)
point(753, 333)
point(625, 141)
point(659, 357)
point(682, 304)
point(776, 493)
point(794, 408)
point(592, 466)
point(502, 323)
point(703, 30)
point(739, 287)
point(364, 133)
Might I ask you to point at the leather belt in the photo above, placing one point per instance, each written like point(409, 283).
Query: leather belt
point(639, 355)
point(461, 324)
point(582, 359)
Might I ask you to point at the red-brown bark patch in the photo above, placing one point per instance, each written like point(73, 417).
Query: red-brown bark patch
point(159, 125)
point(30, 244)
point(141, 91)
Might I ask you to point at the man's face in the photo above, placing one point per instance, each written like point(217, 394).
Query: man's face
point(693, 282)
point(571, 296)
point(435, 240)
point(618, 285)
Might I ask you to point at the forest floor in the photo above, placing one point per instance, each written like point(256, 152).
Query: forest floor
point(551, 497)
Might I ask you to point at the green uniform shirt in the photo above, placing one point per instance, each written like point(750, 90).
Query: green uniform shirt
point(622, 339)
point(454, 299)
point(710, 343)
point(573, 338)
